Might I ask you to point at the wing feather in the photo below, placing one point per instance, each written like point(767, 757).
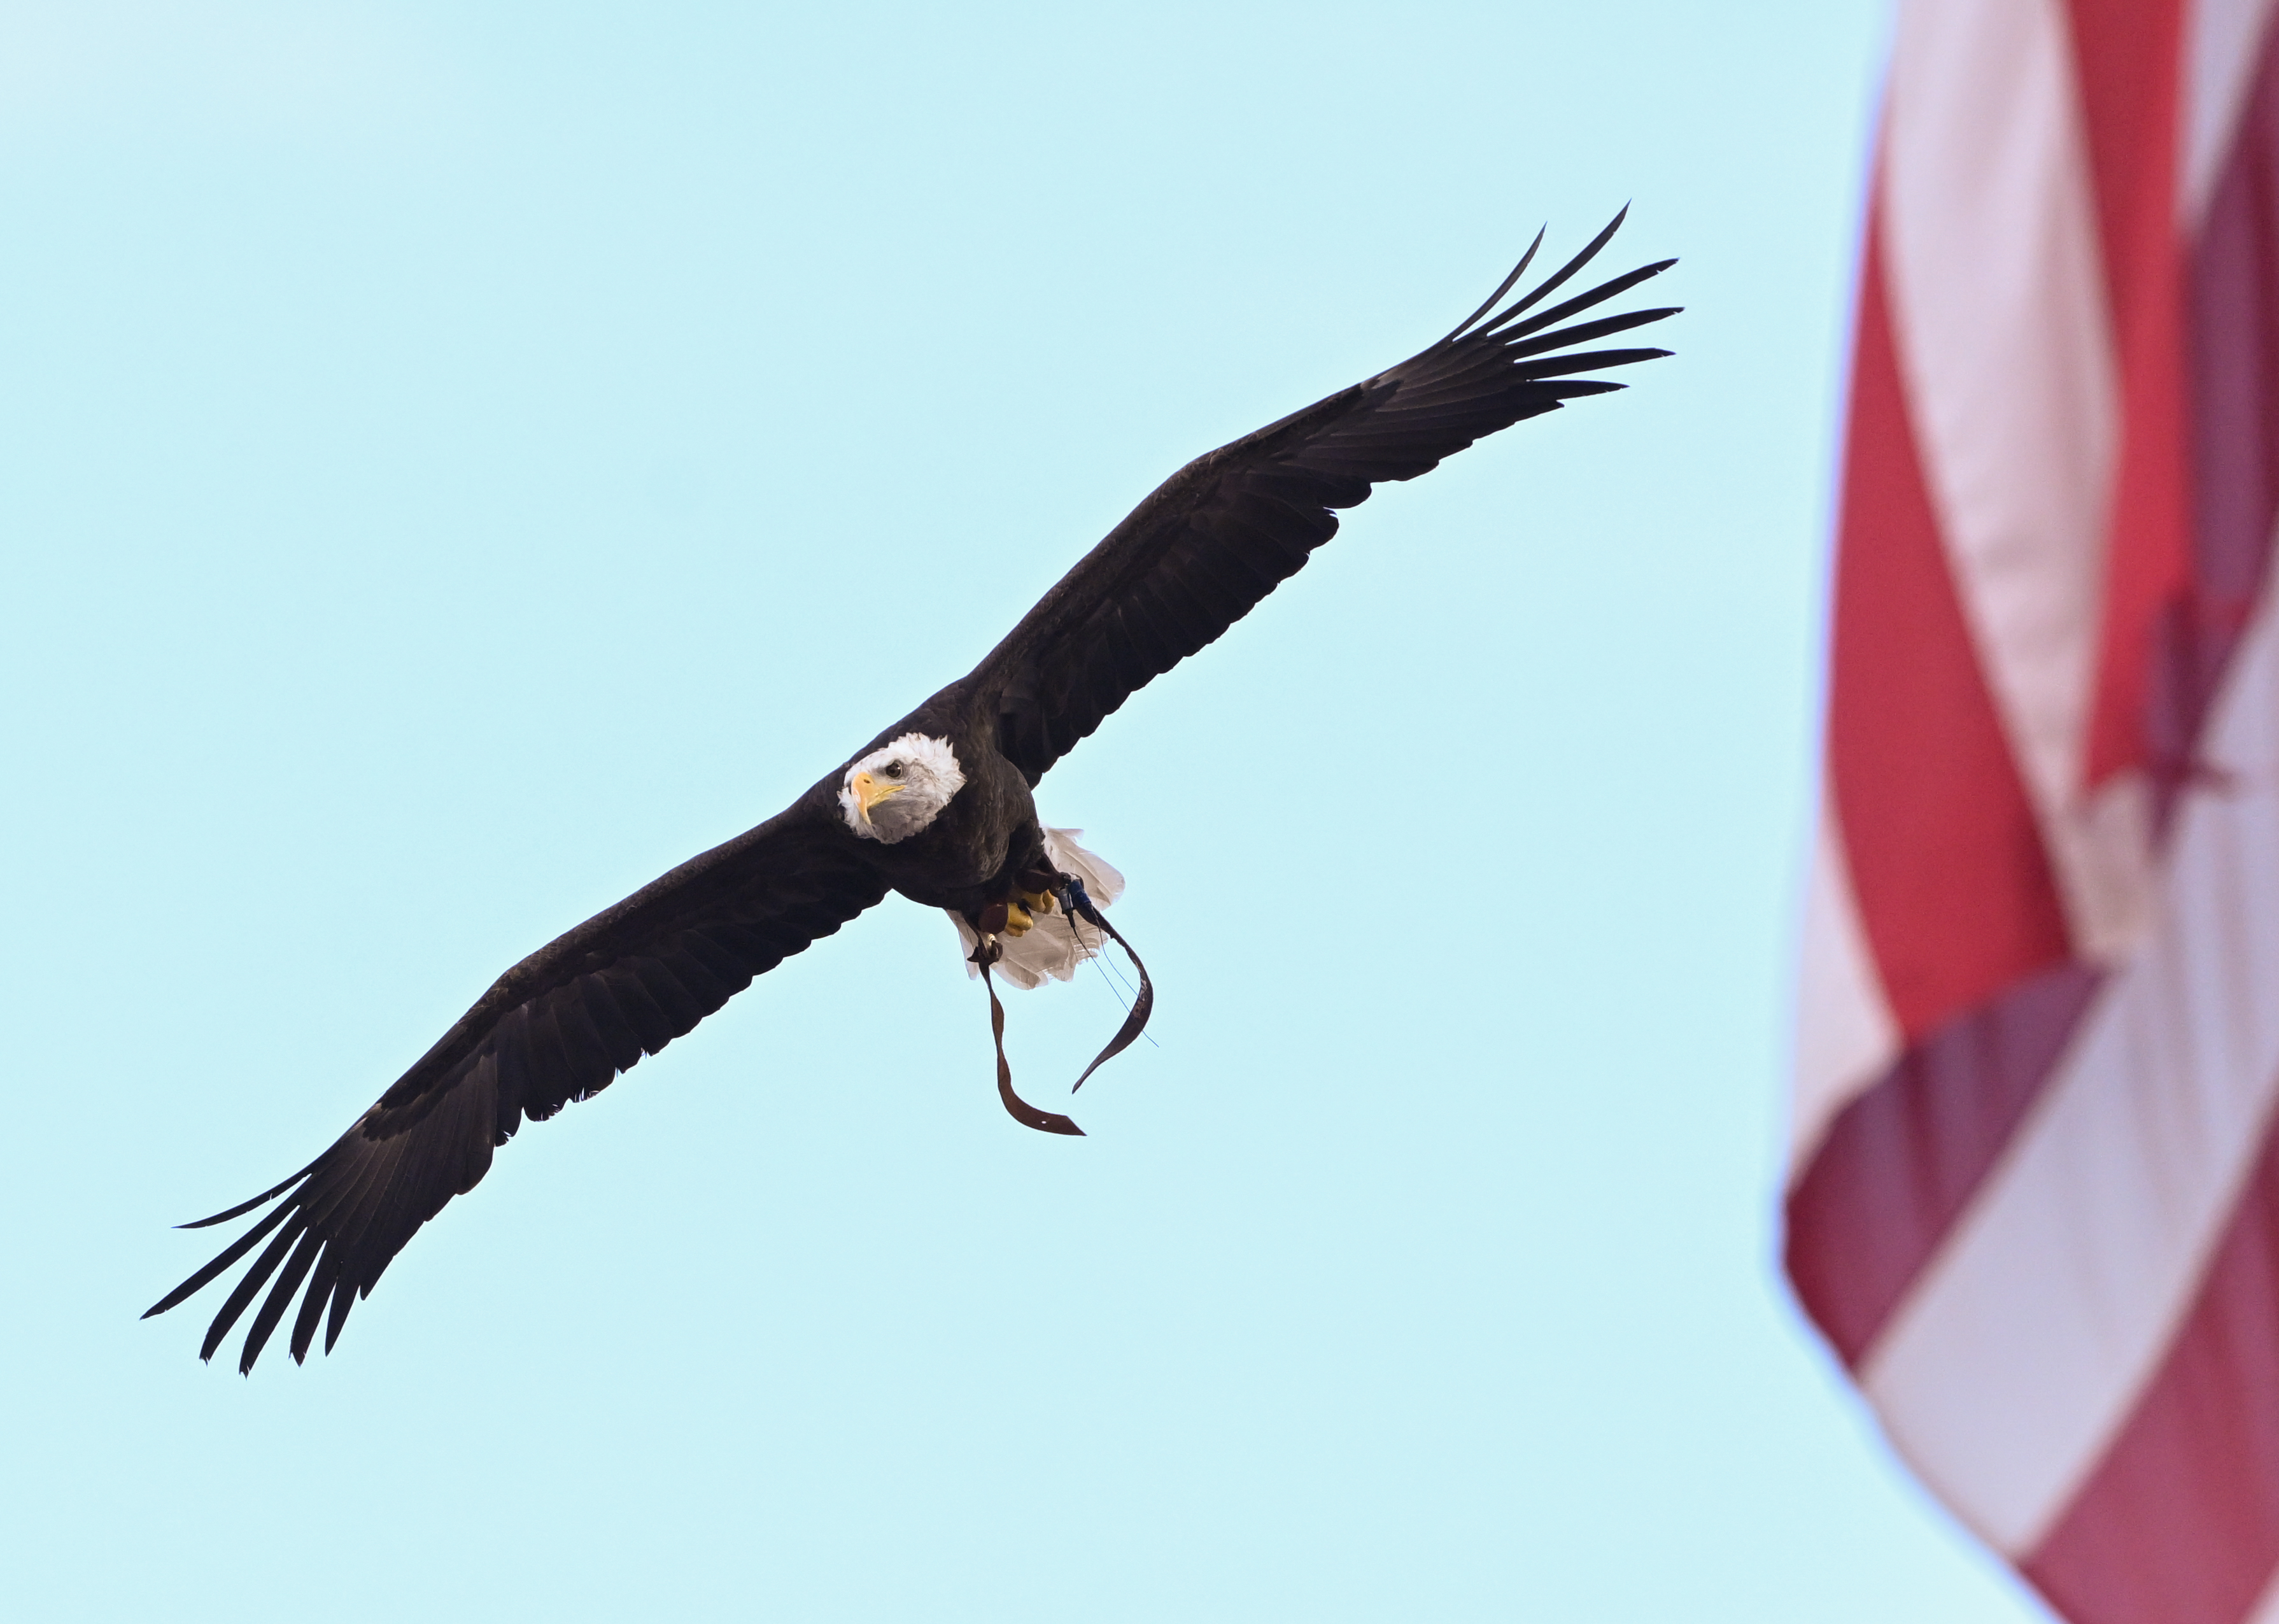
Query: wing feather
point(1215, 538)
point(559, 1027)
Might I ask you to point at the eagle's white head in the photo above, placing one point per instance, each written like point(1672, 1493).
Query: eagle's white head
point(899, 788)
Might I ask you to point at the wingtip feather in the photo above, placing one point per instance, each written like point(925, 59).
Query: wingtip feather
point(243, 1207)
point(1502, 287)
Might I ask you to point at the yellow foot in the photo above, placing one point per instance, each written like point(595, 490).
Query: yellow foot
point(1020, 915)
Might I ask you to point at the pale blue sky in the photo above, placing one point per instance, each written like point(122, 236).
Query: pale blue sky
point(457, 462)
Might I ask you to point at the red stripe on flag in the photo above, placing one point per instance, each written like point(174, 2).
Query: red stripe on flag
point(2127, 58)
point(2177, 1521)
point(2180, 1522)
point(1900, 1162)
point(1954, 889)
point(2235, 384)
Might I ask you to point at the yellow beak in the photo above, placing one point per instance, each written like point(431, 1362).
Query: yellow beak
point(869, 793)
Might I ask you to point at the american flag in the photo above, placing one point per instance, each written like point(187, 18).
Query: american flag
point(2034, 1196)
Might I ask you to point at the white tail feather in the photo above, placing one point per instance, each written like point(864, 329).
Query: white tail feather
point(1056, 946)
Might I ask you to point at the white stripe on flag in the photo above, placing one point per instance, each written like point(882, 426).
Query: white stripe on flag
point(1997, 307)
point(2022, 1346)
point(1846, 1034)
point(2221, 54)
point(2266, 1610)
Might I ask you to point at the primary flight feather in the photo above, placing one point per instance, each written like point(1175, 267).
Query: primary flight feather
point(937, 807)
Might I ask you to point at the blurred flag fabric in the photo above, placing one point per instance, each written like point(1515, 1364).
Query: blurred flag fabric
point(2034, 1196)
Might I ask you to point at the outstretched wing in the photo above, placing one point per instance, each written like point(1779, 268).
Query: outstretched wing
point(1224, 531)
point(557, 1027)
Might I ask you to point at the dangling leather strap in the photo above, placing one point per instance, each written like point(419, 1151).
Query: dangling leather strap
point(1019, 1109)
point(1078, 903)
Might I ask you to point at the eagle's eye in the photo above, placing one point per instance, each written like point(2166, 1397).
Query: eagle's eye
point(893, 770)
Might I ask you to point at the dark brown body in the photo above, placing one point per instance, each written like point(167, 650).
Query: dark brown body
point(971, 854)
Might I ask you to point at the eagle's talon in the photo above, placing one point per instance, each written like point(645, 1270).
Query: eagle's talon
point(1017, 920)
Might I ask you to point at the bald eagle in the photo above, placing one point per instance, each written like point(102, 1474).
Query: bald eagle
point(937, 807)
